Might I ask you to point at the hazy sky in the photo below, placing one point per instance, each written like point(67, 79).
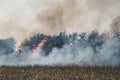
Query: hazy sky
point(21, 18)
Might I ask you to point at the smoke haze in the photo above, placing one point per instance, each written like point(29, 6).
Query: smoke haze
point(21, 19)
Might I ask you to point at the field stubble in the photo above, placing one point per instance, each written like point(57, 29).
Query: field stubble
point(59, 73)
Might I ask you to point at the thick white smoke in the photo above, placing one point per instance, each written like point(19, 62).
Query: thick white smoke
point(20, 19)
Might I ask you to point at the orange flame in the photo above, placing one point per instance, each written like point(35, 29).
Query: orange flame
point(38, 45)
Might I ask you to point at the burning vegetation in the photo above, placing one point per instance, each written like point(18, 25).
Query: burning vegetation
point(93, 48)
point(38, 46)
point(47, 43)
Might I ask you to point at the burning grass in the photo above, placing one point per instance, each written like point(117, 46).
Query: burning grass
point(59, 73)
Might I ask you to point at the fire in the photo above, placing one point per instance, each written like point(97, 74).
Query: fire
point(38, 48)
point(40, 44)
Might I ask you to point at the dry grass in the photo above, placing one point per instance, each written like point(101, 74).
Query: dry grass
point(59, 73)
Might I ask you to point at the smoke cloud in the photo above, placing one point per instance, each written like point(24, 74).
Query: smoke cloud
point(22, 19)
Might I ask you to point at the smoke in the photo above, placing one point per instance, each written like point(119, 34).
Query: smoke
point(22, 19)
point(93, 48)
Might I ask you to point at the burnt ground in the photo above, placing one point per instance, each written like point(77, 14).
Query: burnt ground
point(59, 73)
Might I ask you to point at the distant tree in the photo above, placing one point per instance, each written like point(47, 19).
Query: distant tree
point(33, 40)
point(83, 42)
point(7, 46)
point(96, 40)
point(52, 41)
